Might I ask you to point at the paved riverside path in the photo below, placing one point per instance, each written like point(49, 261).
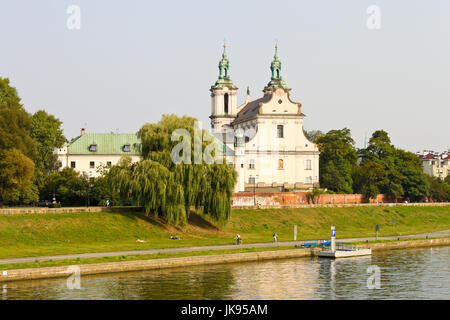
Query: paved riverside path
point(444, 233)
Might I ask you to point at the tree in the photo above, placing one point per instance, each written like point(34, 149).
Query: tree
point(68, 186)
point(439, 189)
point(170, 189)
point(15, 122)
point(48, 134)
point(16, 171)
point(313, 135)
point(416, 185)
point(314, 195)
point(332, 178)
point(17, 148)
point(399, 173)
point(379, 149)
point(370, 178)
point(337, 160)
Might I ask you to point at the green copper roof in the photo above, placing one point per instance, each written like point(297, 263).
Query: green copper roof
point(106, 143)
point(276, 80)
point(224, 73)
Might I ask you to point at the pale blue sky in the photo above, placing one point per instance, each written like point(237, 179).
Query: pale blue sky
point(132, 61)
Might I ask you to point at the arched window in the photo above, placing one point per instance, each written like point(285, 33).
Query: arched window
point(225, 97)
point(280, 163)
point(278, 73)
point(225, 72)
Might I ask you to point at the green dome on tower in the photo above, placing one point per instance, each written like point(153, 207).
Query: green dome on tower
point(224, 73)
point(276, 80)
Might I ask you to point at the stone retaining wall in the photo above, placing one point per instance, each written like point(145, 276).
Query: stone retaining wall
point(69, 209)
point(138, 265)
point(406, 244)
point(243, 201)
point(110, 267)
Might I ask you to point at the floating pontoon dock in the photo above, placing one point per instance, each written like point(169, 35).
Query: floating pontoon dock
point(341, 249)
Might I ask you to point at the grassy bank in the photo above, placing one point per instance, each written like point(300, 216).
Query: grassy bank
point(52, 234)
point(164, 255)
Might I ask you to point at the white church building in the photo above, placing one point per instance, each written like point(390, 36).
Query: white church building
point(264, 137)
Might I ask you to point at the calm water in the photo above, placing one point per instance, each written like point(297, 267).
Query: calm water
point(405, 274)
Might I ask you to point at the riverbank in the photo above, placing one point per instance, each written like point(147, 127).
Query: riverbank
point(51, 234)
point(162, 263)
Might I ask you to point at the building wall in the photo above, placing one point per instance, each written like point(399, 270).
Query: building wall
point(82, 162)
point(246, 199)
point(437, 168)
point(293, 149)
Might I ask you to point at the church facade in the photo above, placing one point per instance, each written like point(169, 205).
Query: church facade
point(264, 138)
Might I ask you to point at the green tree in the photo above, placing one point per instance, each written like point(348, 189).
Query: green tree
point(439, 189)
point(169, 189)
point(370, 178)
point(399, 173)
point(69, 187)
point(17, 148)
point(313, 135)
point(15, 122)
point(416, 185)
point(48, 134)
point(379, 149)
point(16, 171)
point(338, 157)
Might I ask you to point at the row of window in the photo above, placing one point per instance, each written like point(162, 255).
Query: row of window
point(73, 164)
point(251, 164)
point(308, 180)
point(125, 148)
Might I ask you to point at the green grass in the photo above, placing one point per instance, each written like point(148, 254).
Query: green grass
point(28, 235)
point(78, 261)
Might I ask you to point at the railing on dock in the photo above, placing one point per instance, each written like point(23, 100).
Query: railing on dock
point(345, 246)
point(325, 244)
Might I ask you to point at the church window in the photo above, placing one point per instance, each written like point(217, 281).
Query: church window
point(278, 73)
point(308, 180)
point(280, 164)
point(93, 148)
point(251, 164)
point(308, 165)
point(226, 103)
point(92, 164)
point(280, 133)
point(72, 164)
point(251, 180)
point(108, 163)
point(127, 148)
point(280, 101)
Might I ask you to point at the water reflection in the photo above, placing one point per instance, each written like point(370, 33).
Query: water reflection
point(406, 274)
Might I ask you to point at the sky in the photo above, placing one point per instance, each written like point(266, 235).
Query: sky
point(130, 62)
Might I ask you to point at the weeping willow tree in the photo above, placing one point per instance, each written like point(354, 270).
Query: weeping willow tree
point(169, 189)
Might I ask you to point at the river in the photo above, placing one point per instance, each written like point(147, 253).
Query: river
point(403, 274)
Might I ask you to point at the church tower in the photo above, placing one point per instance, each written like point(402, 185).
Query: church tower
point(276, 80)
point(223, 97)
